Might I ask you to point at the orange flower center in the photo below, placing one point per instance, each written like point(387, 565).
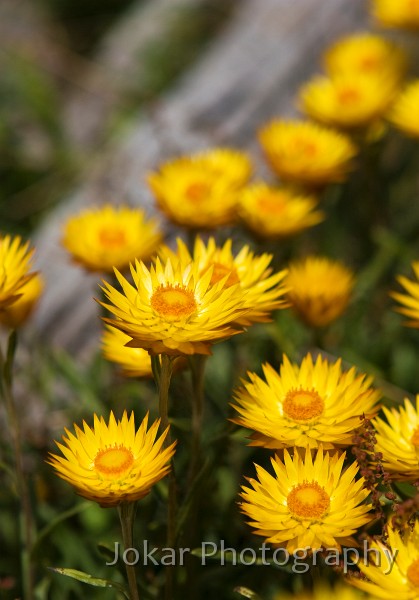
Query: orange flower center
point(220, 271)
point(348, 96)
point(307, 148)
point(173, 302)
point(111, 237)
point(308, 500)
point(303, 405)
point(197, 192)
point(114, 462)
point(413, 573)
point(370, 62)
point(272, 204)
point(415, 438)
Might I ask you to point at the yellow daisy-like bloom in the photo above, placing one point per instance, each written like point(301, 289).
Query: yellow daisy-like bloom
point(404, 111)
point(349, 100)
point(15, 262)
point(173, 309)
point(308, 502)
point(326, 591)
point(200, 191)
point(385, 579)
point(398, 440)
point(277, 212)
point(320, 289)
point(262, 291)
point(306, 152)
point(135, 362)
point(365, 54)
point(107, 237)
point(409, 301)
point(305, 406)
point(113, 463)
point(15, 315)
point(400, 13)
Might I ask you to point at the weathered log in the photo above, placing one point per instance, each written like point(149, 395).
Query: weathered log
point(250, 73)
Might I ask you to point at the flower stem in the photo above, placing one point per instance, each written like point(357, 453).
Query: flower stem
point(197, 363)
point(126, 512)
point(25, 516)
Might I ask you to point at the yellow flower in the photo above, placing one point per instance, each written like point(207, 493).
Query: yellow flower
point(113, 463)
point(200, 191)
point(320, 289)
point(305, 406)
point(276, 212)
point(15, 262)
point(404, 111)
point(349, 100)
point(365, 54)
point(410, 301)
point(305, 152)
point(397, 13)
point(386, 580)
point(324, 590)
point(173, 309)
point(107, 237)
point(262, 292)
point(307, 503)
point(135, 362)
point(398, 440)
point(16, 314)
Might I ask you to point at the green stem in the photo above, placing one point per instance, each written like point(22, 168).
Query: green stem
point(197, 363)
point(25, 513)
point(126, 512)
point(162, 370)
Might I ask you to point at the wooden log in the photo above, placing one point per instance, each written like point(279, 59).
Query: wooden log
point(250, 73)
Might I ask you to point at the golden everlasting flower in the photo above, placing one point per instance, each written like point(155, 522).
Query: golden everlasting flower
point(398, 440)
point(113, 463)
point(324, 590)
point(409, 301)
point(277, 212)
point(365, 54)
point(397, 13)
point(305, 406)
point(404, 111)
point(15, 315)
point(174, 309)
point(306, 152)
point(15, 262)
point(107, 237)
point(385, 579)
point(135, 362)
point(200, 191)
point(307, 503)
point(262, 291)
point(350, 100)
point(320, 289)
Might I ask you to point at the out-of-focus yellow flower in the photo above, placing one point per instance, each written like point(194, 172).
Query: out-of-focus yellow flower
point(306, 152)
point(393, 571)
point(397, 13)
point(305, 406)
point(404, 113)
point(262, 291)
point(113, 463)
point(308, 502)
point(106, 237)
point(16, 314)
point(324, 590)
point(350, 100)
point(200, 191)
point(276, 212)
point(410, 300)
point(135, 362)
point(365, 54)
point(320, 289)
point(398, 440)
point(173, 309)
point(15, 262)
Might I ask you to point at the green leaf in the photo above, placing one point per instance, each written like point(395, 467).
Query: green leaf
point(59, 519)
point(246, 593)
point(90, 580)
